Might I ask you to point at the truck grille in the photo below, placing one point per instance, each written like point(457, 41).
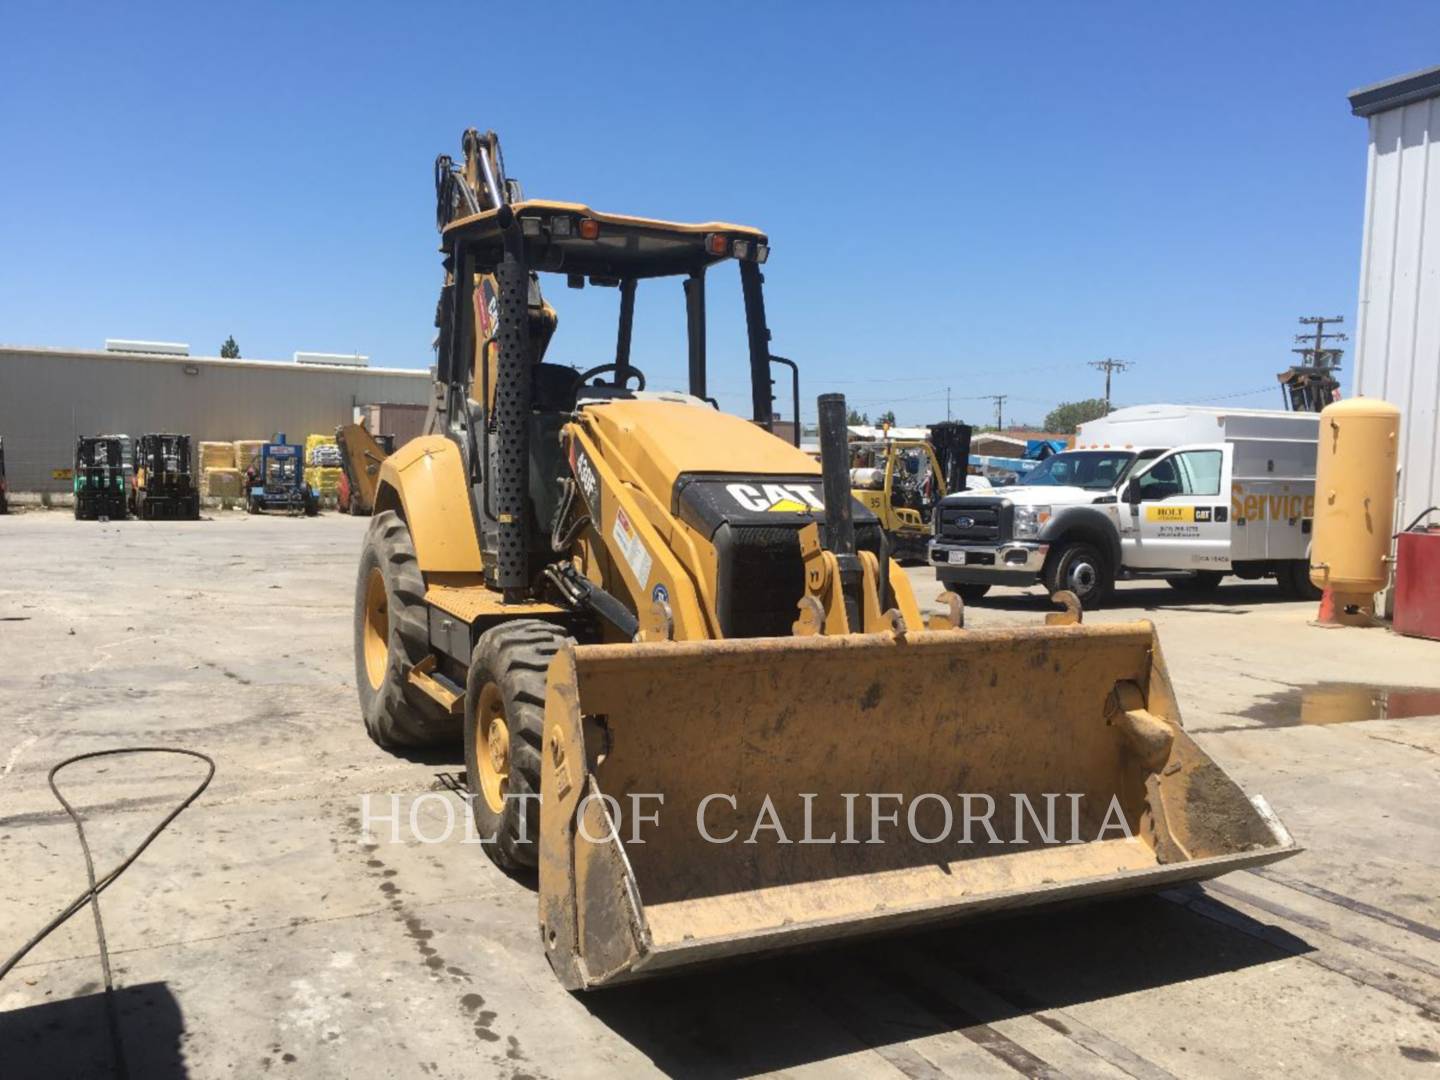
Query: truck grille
point(983, 524)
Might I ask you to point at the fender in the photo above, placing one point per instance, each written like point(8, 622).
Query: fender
point(1088, 522)
point(424, 481)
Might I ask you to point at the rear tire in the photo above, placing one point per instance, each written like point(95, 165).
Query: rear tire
point(1202, 581)
point(392, 635)
point(1293, 577)
point(1083, 569)
point(504, 724)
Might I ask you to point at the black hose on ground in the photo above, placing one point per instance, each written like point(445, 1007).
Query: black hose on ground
point(92, 894)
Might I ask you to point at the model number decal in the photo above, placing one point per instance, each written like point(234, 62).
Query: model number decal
point(587, 478)
point(776, 498)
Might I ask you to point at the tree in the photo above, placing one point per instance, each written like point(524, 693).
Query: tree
point(857, 418)
point(1065, 417)
point(886, 417)
point(230, 351)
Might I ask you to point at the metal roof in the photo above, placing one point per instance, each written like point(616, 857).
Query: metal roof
point(1393, 93)
point(40, 351)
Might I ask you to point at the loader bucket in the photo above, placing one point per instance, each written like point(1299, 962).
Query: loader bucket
point(836, 778)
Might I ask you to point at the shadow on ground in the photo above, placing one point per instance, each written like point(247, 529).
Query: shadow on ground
point(811, 1007)
point(71, 1038)
point(1229, 599)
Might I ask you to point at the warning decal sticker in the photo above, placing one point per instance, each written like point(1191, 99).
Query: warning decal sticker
point(632, 548)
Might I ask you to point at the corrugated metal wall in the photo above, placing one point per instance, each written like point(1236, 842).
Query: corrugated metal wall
point(47, 398)
point(1398, 330)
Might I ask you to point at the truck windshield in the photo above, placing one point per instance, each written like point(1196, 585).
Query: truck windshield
point(1093, 470)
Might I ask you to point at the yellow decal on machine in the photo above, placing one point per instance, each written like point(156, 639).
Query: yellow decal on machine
point(1170, 513)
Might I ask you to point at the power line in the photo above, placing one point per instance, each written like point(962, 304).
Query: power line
point(1226, 397)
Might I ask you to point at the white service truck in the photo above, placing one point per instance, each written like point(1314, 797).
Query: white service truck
point(1184, 493)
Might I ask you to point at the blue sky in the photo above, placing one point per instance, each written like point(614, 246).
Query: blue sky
point(983, 197)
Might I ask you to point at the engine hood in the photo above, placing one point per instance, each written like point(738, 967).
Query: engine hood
point(663, 440)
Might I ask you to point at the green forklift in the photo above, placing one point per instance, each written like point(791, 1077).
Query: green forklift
point(101, 491)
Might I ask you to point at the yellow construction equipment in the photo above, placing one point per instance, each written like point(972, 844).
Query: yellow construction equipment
point(691, 690)
point(361, 455)
point(899, 481)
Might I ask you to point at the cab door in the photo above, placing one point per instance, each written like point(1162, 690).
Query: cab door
point(1177, 518)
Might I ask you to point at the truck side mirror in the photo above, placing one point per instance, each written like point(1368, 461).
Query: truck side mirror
point(1132, 493)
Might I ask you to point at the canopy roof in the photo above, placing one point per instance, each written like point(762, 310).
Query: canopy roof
point(621, 246)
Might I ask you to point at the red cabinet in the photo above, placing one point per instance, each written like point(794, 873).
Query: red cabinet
point(1417, 583)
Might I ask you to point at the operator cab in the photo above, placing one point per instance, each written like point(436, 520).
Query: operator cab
point(598, 250)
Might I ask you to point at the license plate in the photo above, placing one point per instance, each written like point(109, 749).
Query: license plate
point(955, 557)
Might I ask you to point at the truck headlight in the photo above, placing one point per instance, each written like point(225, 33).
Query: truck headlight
point(1029, 520)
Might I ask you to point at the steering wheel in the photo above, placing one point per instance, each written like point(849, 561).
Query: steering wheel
point(586, 376)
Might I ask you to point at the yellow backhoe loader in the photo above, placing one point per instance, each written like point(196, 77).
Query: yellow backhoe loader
point(694, 691)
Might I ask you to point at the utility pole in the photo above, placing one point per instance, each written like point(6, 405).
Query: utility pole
point(999, 400)
point(947, 404)
point(1311, 385)
point(1108, 365)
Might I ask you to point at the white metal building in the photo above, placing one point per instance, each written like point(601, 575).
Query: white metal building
point(48, 397)
point(1397, 338)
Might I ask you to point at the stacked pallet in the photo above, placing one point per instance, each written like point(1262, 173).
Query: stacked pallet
point(217, 455)
point(322, 450)
point(246, 451)
point(222, 483)
point(219, 478)
point(324, 479)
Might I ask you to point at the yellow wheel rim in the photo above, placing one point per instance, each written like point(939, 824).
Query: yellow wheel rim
point(492, 747)
point(377, 629)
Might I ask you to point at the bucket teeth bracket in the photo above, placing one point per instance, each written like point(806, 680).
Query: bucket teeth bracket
point(811, 618)
point(1073, 614)
point(664, 629)
point(954, 618)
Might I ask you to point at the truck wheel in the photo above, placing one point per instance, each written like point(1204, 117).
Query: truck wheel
point(504, 722)
point(970, 593)
point(1083, 569)
point(392, 635)
point(1293, 577)
point(1202, 581)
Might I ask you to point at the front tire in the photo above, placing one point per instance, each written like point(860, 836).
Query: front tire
point(392, 635)
point(504, 724)
point(1082, 569)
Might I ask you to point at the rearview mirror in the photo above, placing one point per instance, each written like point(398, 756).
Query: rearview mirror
point(1132, 493)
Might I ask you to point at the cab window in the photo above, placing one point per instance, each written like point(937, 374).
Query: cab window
point(1191, 472)
point(1199, 471)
